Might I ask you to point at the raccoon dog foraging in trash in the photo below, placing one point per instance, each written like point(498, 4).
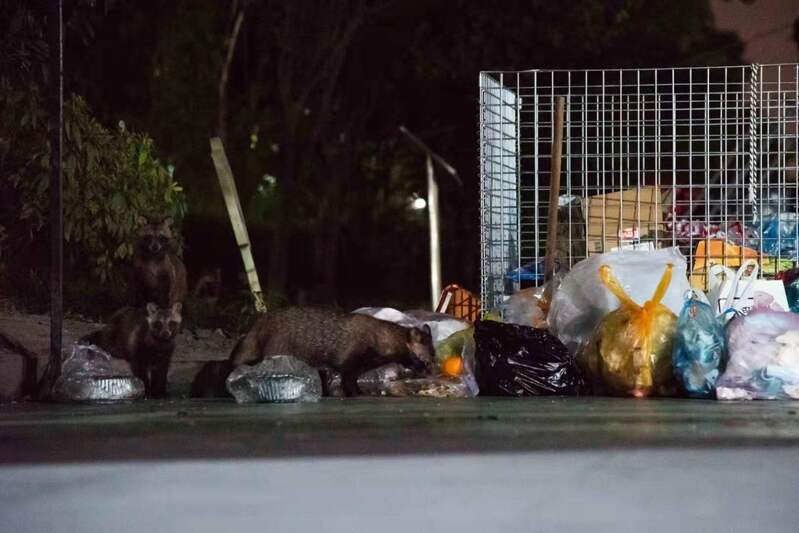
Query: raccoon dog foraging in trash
point(158, 273)
point(348, 342)
point(145, 338)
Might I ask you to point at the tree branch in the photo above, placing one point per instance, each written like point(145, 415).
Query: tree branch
point(223, 78)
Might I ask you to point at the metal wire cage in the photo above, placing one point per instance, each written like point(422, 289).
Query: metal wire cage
point(700, 158)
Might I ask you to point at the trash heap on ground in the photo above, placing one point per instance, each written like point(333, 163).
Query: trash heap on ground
point(624, 323)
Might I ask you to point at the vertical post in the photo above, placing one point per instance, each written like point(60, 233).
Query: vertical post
point(231, 195)
point(435, 247)
point(56, 41)
point(554, 186)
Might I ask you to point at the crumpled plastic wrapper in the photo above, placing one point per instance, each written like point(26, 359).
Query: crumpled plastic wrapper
point(514, 360)
point(525, 308)
point(374, 382)
point(433, 387)
point(700, 349)
point(394, 380)
point(629, 353)
point(89, 375)
point(277, 379)
point(332, 384)
point(441, 325)
point(763, 355)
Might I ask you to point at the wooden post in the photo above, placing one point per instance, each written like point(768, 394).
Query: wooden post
point(554, 187)
point(231, 195)
point(435, 241)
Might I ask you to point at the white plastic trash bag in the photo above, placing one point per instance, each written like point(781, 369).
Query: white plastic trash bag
point(441, 325)
point(582, 300)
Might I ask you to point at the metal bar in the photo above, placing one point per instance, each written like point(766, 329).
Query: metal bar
point(518, 178)
point(55, 25)
point(440, 160)
point(536, 238)
point(435, 245)
point(570, 260)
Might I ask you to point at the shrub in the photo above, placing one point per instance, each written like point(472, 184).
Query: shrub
point(110, 178)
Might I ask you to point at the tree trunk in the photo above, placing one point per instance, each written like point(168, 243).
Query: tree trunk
point(230, 47)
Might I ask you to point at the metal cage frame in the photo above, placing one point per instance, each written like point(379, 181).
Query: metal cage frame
point(703, 158)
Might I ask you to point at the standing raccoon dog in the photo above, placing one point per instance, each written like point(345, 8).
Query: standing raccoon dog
point(350, 343)
point(158, 273)
point(145, 338)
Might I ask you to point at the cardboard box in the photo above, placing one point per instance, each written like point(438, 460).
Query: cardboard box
point(711, 252)
point(630, 217)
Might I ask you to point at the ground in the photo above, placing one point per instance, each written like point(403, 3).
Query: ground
point(390, 464)
point(487, 464)
point(27, 334)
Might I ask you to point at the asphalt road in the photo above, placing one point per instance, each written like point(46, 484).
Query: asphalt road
point(564, 464)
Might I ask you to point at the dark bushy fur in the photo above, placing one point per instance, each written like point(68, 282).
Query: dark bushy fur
point(350, 343)
point(145, 338)
point(210, 380)
point(159, 275)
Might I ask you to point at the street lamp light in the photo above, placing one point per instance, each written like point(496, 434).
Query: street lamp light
point(432, 210)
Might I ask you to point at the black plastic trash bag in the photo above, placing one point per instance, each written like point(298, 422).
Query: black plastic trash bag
point(514, 360)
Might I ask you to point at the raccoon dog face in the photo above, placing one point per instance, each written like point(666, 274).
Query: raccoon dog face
point(420, 344)
point(164, 323)
point(155, 240)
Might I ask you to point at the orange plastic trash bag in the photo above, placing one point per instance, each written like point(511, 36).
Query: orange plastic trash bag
point(629, 353)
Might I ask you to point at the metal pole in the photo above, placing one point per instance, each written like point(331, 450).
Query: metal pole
point(435, 246)
point(56, 34)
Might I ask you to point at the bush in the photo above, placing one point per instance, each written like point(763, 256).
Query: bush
point(110, 178)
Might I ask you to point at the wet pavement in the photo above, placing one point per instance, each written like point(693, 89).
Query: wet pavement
point(542, 464)
point(188, 429)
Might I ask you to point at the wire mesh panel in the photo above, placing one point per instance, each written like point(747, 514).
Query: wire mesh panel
point(699, 158)
point(499, 194)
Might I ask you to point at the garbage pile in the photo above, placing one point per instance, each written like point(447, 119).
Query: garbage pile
point(623, 323)
point(638, 328)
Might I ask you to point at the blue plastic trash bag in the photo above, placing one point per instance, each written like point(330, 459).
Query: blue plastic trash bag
point(533, 271)
point(778, 233)
point(700, 348)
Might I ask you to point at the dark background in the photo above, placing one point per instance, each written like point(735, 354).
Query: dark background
point(315, 94)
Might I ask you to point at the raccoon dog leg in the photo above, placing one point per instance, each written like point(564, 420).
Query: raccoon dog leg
point(158, 378)
point(246, 351)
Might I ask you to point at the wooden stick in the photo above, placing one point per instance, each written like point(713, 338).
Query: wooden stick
point(554, 188)
point(228, 184)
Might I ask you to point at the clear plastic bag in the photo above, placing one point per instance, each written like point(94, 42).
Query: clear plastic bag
point(525, 308)
point(763, 355)
point(90, 375)
point(373, 382)
point(277, 379)
point(630, 350)
point(582, 300)
point(441, 325)
point(700, 348)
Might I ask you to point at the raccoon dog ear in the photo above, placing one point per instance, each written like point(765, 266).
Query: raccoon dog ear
point(426, 330)
point(152, 309)
point(141, 220)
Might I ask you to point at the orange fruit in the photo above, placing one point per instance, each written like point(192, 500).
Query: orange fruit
point(453, 366)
